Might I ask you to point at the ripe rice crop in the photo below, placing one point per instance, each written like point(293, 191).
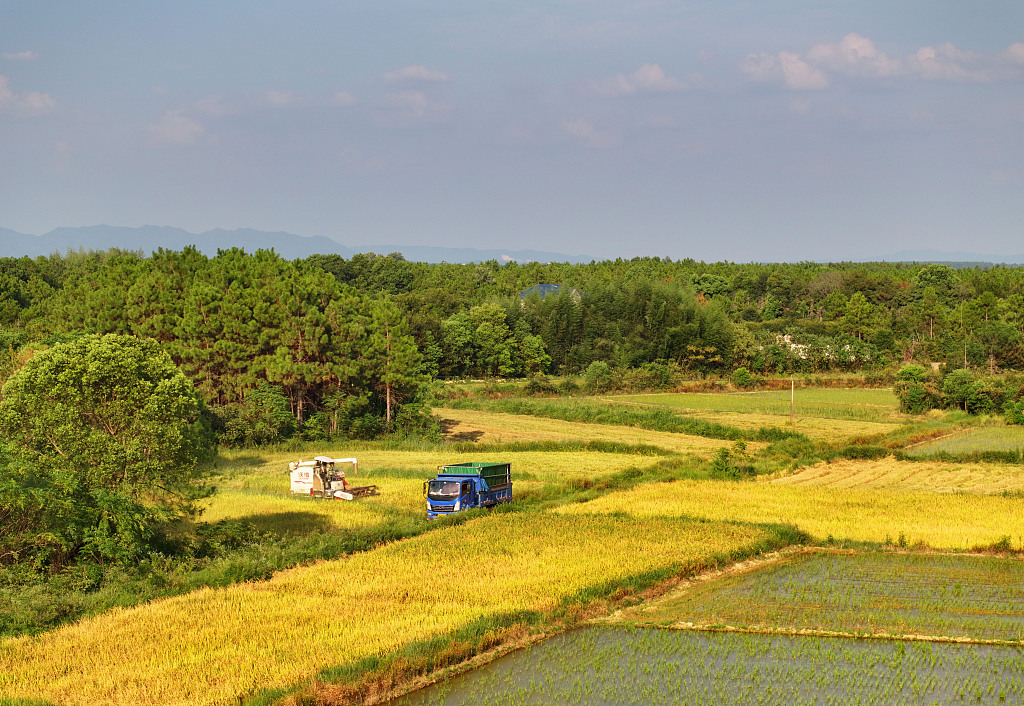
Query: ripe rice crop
point(931, 476)
point(499, 427)
point(257, 487)
point(214, 645)
point(952, 596)
point(952, 520)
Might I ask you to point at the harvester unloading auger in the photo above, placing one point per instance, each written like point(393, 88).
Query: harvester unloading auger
point(322, 478)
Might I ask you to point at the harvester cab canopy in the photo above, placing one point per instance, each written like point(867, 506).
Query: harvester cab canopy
point(320, 474)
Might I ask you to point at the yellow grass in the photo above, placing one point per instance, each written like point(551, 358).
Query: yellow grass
point(889, 473)
point(498, 427)
point(953, 521)
point(210, 646)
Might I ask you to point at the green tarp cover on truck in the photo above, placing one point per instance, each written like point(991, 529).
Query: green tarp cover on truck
point(494, 474)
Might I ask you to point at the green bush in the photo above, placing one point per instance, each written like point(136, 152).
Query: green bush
point(742, 378)
point(598, 377)
point(916, 390)
point(263, 417)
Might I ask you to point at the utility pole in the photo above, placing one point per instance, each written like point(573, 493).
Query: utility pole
point(792, 398)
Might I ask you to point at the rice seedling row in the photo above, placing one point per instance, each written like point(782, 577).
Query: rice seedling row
point(999, 439)
point(951, 596)
point(644, 666)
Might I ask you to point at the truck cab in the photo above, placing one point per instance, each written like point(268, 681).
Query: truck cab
point(462, 486)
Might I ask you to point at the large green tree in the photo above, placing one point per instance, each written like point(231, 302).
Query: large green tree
point(112, 423)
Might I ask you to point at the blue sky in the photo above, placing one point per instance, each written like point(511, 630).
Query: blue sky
point(709, 129)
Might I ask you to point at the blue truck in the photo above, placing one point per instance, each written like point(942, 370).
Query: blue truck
point(462, 486)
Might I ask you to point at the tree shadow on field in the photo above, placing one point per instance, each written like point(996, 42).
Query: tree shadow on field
point(232, 466)
point(449, 433)
point(293, 523)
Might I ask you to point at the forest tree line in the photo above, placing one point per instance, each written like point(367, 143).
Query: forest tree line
point(339, 346)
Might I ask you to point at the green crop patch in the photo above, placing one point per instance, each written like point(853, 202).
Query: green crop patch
point(638, 666)
point(872, 405)
point(950, 596)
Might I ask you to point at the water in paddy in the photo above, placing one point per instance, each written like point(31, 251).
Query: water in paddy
point(651, 666)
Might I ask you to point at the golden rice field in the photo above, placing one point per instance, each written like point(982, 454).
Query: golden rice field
point(497, 427)
point(256, 487)
point(940, 520)
point(211, 646)
point(891, 474)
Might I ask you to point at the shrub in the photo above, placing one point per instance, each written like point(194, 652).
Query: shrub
point(263, 417)
point(742, 378)
point(598, 377)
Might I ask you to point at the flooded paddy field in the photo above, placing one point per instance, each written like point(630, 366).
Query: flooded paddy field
point(605, 665)
point(938, 595)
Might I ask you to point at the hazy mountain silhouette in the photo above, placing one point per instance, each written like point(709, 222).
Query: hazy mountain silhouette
point(287, 245)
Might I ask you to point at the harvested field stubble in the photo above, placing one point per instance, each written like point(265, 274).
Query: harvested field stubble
point(500, 427)
point(930, 476)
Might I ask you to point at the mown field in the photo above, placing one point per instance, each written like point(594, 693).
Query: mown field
point(925, 476)
point(614, 495)
point(497, 427)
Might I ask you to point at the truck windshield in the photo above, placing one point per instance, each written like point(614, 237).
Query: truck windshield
point(443, 490)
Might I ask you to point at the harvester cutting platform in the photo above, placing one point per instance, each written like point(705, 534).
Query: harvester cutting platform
point(323, 478)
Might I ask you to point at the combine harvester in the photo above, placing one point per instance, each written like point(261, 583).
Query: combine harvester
point(321, 478)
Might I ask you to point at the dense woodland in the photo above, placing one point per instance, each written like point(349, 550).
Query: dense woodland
point(342, 346)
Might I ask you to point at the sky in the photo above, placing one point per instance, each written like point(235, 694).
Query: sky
point(776, 130)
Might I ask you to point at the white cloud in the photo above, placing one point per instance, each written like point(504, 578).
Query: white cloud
point(177, 129)
point(857, 55)
point(854, 55)
point(799, 75)
point(24, 103)
point(785, 67)
point(418, 104)
point(344, 98)
point(21, 55)
point(415, 73)
point(213, 105)
point(649, 78)
point(280, 99)
point(585, 130)
point(944, 63)
point(1014, 53)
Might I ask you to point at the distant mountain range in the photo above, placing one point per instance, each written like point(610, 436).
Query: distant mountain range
point(291, 246)
point(287, 245)
point(958, 257)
